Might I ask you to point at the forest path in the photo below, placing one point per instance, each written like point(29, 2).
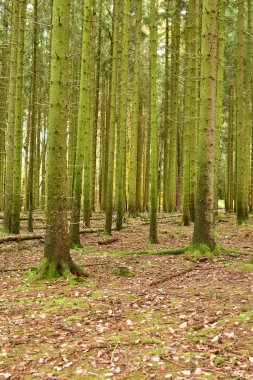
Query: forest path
point(171, 319)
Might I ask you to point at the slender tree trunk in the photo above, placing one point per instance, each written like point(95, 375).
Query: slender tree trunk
point(121, 206)
point(139, 175)
point(219, 95)
point(83, 127)
point(187, 115)
point(18, 135)
point(172, 175)
point(132, 203)
point(241, 207)
point(33, 118)
point(3, 104)
point(153, 124)
point(166, 115)
point(230, 154)
point(248, 105)
point(109, 200)
point(7, 222)
point(195, 73)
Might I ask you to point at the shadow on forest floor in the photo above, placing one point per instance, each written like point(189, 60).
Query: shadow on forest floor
point(169, 319)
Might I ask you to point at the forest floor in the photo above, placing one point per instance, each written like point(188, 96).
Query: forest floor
point(171, 319)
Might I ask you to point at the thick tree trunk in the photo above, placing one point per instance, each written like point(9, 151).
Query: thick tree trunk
point(57, 254)
point(203, 228)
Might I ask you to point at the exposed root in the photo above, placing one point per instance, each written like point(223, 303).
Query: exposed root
point(52, 270)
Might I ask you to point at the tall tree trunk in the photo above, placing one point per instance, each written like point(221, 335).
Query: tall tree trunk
point(113, 93)
point(248, 103)
point(132, 203)
point(7, 222)
point(230, 153)
point(18, 135)
point(3, 96)
point(121, 206)
point(219, 96)
point(242, 204)
point(166, 115)
point(83, 126)
point(33, 118)
point(153, 124)
point(57, 254)
point(172, 175)
point(203, 228)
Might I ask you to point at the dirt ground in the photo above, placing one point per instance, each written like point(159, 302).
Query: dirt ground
point(171, 318)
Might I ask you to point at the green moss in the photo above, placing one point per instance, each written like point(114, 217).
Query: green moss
point(172, 251)
point(242, 317)
point(96, 294)
point(76, 247)
point(236, 251)
point(33, 269)
point(215, 234)
point(150, 340)
point(134, 296)
point(218, 361)
point(197, 251)
point(148, 265)
point(122, 272)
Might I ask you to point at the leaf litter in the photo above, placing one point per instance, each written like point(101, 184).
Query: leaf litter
point(196, 324)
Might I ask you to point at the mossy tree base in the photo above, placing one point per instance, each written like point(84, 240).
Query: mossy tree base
point(52, 269)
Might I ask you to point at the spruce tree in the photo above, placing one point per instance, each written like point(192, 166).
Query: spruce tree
point(83, 127)
point(57, 260)
point(203, 228)
point(241, 201)
point(112, 120)
point(123, 118)
point(7, 222)
point(153, 123)
point(132, 203)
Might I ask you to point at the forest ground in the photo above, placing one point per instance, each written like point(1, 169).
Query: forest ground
point(171, 319)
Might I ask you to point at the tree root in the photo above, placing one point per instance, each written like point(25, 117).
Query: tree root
point(67, 269)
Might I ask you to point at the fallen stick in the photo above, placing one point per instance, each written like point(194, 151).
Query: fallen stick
point(6, 239)
point(108, 241)
point(167, 278)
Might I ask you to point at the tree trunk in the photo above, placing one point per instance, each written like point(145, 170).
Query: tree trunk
point(203, 228)
point(18, 134)
point(113, 93)
point(132, 203)
point(57, 254)
point(153, 124)
point(242, 204)
point(83, 127)
point(121, 206)
point(7, 223)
